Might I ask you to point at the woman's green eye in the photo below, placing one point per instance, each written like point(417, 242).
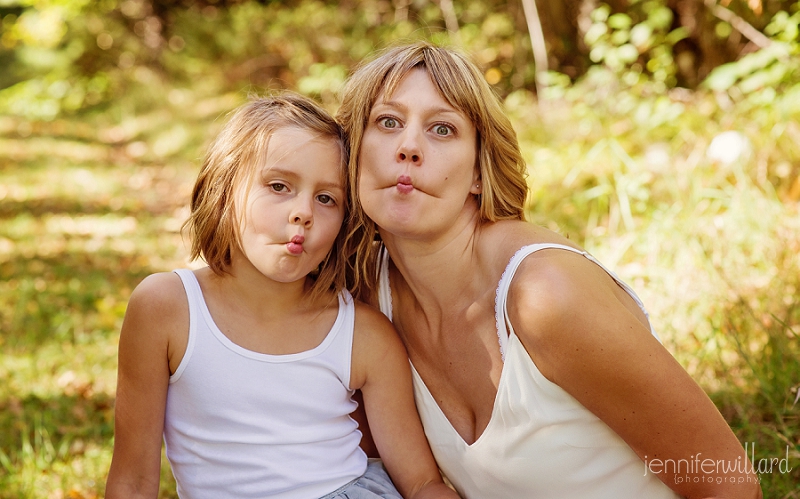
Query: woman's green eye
point(389, 122)
point(442, 130)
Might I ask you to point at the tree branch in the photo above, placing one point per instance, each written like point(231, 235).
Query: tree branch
point(450, 19)
point(739, 24)
point(537, 41)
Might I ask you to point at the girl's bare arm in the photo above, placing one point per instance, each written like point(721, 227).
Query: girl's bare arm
point(156, 309)
point(381, 370)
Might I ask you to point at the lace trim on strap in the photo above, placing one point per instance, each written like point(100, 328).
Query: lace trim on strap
point(384, 286)
point(499, 311)
point(501, 294)
point(502, 337)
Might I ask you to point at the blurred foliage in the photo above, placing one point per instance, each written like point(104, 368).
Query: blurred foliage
point(68, 56)
point(638, 44)
point(663, 139)
point(763, 74)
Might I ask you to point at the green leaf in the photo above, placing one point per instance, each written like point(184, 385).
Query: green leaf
point(595, 33)
point(620, 21)
point(722, 77)
point(627, 53)
point(600, 14)
point(641, 35)
point(660, 18)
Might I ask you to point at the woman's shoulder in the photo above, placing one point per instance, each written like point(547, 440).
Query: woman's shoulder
point(559, 298)
point(503, 239)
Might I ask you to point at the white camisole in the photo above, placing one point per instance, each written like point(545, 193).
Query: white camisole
point(540, 442)
point(251, 425)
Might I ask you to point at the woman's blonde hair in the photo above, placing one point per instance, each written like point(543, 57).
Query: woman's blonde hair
point(230, 164)
point(499, 161)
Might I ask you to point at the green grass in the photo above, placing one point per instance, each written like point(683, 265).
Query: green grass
point(77, 233)
point(87, 209)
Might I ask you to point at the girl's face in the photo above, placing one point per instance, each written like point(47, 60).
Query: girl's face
point(294, 207)
point(417, 160)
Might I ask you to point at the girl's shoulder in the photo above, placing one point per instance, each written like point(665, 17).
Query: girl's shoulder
point(375, 341)
point(371, 321)
point(162, 291)
point(158, 316)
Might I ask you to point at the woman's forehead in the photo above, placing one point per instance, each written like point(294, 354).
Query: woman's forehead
point(397, 76)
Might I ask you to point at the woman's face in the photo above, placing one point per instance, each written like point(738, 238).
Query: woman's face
point(417, 161)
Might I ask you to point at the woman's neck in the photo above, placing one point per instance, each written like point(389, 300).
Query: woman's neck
point(446, 273)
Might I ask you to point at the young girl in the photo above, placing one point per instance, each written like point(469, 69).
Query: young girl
point(248, 366)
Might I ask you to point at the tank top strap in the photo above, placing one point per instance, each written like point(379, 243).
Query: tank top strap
point(192, 287)
point(384, 287)
point(194, 295)
point(340, 348)
point(504, 327)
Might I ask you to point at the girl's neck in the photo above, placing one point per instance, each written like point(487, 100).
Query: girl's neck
point(266, 316)
point(263, 296)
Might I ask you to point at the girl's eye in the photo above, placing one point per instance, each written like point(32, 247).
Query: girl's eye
point(325, 199)
point(278, 187)
point(388, 122)
point(442, 130)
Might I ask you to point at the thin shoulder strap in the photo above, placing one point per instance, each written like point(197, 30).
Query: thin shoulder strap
point(195, 297)
point(504, 327)
point(341, 340)
point(384, 287)
point(193, 292)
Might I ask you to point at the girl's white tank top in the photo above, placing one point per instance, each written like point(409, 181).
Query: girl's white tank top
point(540, 442)
point(251, 425)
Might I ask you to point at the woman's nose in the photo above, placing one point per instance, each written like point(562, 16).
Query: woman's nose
point(409, 149)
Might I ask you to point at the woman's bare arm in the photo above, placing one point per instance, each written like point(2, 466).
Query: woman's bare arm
point(586, 337)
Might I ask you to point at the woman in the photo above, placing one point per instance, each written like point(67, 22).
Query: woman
point(550, 383)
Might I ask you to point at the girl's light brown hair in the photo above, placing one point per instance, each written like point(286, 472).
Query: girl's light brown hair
point(502, 169)
point(230, 165)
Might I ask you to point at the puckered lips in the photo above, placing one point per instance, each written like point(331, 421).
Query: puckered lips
point(404, 184)
point(295, 245)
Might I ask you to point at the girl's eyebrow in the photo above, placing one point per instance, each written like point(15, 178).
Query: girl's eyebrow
point(291, 175)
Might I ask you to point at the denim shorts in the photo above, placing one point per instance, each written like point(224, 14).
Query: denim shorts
point(373, 484)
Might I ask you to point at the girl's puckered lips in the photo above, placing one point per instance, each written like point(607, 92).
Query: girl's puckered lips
point(295, 245)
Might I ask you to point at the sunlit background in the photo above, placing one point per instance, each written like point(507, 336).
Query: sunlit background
point(663, 135)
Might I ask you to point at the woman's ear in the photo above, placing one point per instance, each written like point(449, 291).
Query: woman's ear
point(477, 184)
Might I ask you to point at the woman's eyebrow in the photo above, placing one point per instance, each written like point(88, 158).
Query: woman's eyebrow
point(402, 107)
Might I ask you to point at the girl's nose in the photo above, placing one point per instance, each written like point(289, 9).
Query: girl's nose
point(302, 214)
